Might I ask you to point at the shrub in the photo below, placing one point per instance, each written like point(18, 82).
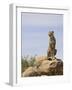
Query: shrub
point(25, 63)
point(32, 61)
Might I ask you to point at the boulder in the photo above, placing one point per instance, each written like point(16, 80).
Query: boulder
point(46, 67)
point(40, 59)
point(30, 71)
point(54, 67)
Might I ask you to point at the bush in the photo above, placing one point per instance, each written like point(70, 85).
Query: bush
point(32, 61)
point(25, 63)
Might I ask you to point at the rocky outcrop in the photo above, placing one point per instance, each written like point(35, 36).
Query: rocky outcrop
point(45, 67)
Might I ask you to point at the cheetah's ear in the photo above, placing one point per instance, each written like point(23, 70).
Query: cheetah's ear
point(53, 32)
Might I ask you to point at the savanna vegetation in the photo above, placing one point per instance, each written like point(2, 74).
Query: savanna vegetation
point(27, 62)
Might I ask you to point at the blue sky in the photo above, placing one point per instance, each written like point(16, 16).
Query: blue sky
point(35, 28)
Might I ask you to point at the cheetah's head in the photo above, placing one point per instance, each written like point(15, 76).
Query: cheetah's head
point(51, 33)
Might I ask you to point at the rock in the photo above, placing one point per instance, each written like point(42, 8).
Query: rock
point(54, 67)
point(40, 58)
point(30, 71)
point(46, 67)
